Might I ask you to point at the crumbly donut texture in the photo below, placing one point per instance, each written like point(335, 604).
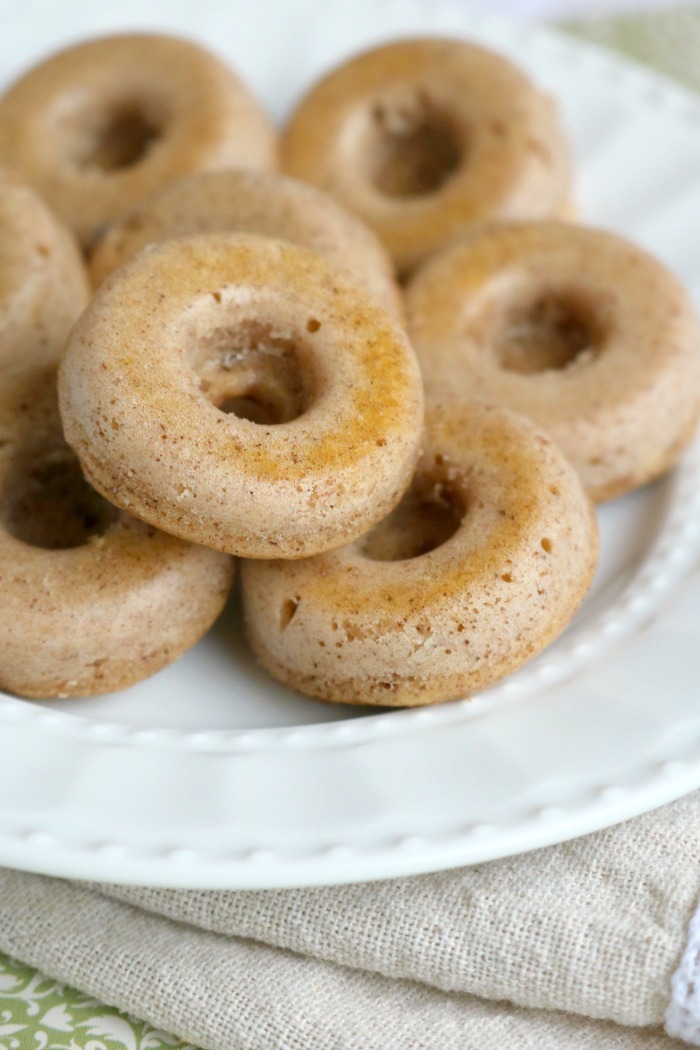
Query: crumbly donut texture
point(252, 202)
point(92, 600)
point(96, 127)
point(217, 320)
point(576, 328)
point(43, 284)
point(379, 622)
point(423, 138)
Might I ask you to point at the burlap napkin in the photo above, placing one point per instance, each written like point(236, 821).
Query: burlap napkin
point(577, 946)
point(593, 928)
point(229, 993)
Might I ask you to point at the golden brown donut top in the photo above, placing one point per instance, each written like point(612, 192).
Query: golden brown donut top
point(99, 125)
point(92, 600)
point(423, 137)
point(252, 202)
point(89, 540)
point(576, 328)
point(199, 321)
point(477, 569)
point(504, 477)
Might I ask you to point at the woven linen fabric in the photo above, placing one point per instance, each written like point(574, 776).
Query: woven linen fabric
point(594, 927)
point(224, 993)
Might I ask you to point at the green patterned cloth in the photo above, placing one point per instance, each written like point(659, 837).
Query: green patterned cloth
point(36, 1013)
point(668, 41)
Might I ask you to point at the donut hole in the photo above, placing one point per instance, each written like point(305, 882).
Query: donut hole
point(48, 503)
point(550, 332)
point(256, 407)
point(428, 516)
point(116, 139)
point(255, 372)
point(413, 147)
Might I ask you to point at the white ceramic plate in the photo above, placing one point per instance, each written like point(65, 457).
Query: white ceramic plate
point(210, 774)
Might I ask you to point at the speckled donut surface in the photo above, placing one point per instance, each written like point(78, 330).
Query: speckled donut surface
point(380, 622)
point(43, 284)
point(253, 202)
point(98, 126)
point(92, 600)
point(221, 319)
point(576, 328)
point(423, 138)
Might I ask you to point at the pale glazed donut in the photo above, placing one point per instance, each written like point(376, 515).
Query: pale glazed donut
point(252, 202)
point(43, 284)
point(478, 569)
point(98, 126)
point(92, 600)
point(422, 138)
point(217, 319)
point(576, 328)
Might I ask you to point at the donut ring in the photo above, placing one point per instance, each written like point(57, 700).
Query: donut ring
point(576, 328)
point(43, 284)
point(253, 202)
point(96, 127)
point(92, 600)
point(423, 138)
point(477, 570)
point(201, 322)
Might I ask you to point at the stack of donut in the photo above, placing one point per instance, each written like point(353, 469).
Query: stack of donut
point(203, 360)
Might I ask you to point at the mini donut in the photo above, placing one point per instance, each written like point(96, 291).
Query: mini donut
point(240, 392)
point(480, 567)
point(252, 202)
point(423, 138)
point(43, 284)
point(98, 126)
point(92, 600)
point(576, 328)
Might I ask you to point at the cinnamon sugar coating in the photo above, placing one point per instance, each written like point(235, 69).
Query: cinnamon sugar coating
point(322, 387)
point(252, 202)
point(96, 127)
point(423, 138)
point(477, 570)
point(92, 600)
point(583, 332)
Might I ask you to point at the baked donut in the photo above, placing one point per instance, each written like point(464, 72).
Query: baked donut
point(480, 567)
point(240, 392)
point(423, 138)
point(43, 284)
point(92, 600)
point(252, 202)
point(98, 126)
point(576, 328)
